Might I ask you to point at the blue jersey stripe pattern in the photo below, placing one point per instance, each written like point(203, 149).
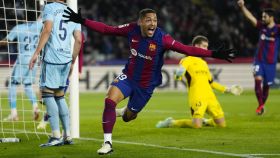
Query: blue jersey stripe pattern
point(146, 58)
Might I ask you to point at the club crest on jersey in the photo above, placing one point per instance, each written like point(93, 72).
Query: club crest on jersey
point(152, 47)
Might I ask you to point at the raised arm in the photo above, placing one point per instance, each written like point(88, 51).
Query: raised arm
point(221, 53)
point(247, 13)
point(100, 27)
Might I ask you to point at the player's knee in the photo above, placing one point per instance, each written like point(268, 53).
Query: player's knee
point(220, 122)
point(197, 126)
point(59, 93)
point(47, 95)
point(63, 113)
point(127, 118)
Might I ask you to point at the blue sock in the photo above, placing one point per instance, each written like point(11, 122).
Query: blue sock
point(63, 114)
point(30, 94)
point(52, 111)
point(13, 96)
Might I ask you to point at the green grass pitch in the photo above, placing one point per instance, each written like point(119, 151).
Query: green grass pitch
point(246, 134)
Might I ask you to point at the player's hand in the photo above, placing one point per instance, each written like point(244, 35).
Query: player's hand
point(222, 53)
point(72, 16)
point(236, 89)
point(33, 61)
point(240, 3)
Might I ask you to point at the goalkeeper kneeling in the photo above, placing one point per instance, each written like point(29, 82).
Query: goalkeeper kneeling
point(200, 93)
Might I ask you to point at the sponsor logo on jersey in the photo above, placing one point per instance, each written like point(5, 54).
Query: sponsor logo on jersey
point(264, 37)
point(135, 53)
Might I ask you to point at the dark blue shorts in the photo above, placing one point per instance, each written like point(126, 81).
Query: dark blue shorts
point(267, 71)
point(138, 97)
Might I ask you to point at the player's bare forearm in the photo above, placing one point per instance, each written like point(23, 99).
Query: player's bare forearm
point(44, 37)
point(77, 45)
point(249, 15)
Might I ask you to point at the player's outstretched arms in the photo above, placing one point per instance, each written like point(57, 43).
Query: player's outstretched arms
point(72, 16)
point(246, 12)
point(226, 54)
point(100, 27)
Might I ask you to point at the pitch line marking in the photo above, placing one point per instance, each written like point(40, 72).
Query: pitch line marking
point(174, 148)
point(162, 147)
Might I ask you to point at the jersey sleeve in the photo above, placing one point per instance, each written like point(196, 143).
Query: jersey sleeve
point(12, 35)
point(215, 85)
point(48, 13)
point(278, 29)
point(259, 25)
point(121, 30)
point(218, 86)
point(171, 44)
point(78, 27)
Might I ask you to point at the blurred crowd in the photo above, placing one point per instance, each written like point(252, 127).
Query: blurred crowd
point(220, 20)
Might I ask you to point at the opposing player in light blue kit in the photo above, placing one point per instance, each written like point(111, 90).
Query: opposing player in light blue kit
point(27, 35)
point(56, 64)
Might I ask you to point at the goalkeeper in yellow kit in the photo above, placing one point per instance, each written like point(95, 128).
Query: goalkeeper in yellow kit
point(201, 96)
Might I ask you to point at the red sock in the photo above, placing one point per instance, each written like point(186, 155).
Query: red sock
point(258, 91)
point(109, 116)
point(265, 92)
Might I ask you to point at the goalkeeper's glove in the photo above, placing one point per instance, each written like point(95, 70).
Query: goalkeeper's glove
point(178, 78)
point(235, 90)
point(222, 53)
point(72, 16)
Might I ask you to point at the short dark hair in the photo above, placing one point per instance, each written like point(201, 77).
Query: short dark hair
point(199, 39)
point(145, 11)
point(31, 16)
point(269, 11)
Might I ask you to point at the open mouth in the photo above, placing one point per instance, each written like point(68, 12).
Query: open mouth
point(151, 31)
